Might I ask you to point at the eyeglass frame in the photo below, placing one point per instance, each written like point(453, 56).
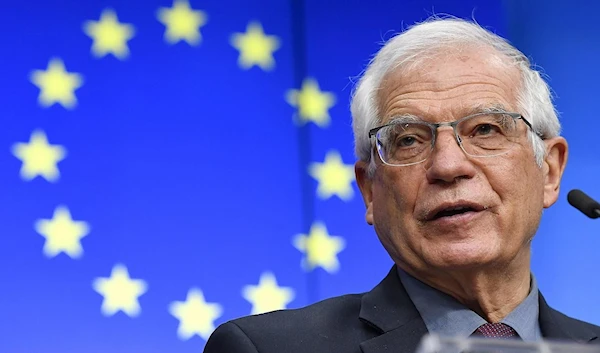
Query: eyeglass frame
point(434, 132)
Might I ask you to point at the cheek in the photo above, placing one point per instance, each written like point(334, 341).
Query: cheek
point(394, 197)
point(510, 175)
point(395, 193)
point(393, 205)
point(519, 187)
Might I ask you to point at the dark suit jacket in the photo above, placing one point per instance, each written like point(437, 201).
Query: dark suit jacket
point(382, 320)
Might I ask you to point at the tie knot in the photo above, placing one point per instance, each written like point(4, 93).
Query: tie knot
point(496, 330)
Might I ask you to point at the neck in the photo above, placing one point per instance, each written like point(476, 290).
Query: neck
point(492, 292)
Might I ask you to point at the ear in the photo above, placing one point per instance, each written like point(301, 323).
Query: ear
point(554, 166)
point(365, 184)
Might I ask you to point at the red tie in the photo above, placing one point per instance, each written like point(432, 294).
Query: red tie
point(497, 330)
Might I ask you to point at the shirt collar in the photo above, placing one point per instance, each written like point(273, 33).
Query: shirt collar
point(446, 316)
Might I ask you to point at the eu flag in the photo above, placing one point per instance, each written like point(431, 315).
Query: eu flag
point(168, 165)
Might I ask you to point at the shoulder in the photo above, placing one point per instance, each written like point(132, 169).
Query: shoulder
point(575, 325)
point(331, 323)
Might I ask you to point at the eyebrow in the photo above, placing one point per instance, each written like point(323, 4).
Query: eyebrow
point(406, 118)
point(411, 118)
point(494, 108)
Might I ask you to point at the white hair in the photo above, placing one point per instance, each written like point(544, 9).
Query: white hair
point(404, 51)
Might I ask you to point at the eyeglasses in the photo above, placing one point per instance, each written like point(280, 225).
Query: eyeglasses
point(408, 140)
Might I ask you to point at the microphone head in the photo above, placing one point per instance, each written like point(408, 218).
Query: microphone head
point(584, 203)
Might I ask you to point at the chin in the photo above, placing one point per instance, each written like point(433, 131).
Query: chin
point(461, 256)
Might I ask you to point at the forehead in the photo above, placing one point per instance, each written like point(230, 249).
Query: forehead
point(449, 85)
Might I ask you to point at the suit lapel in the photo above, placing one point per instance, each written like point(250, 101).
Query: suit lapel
point(557, 326)
point(388, 309)
point(404, 339)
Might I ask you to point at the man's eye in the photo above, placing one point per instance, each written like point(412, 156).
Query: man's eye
point(406, 141)
point(485, 129)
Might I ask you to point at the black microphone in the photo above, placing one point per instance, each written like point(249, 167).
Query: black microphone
point(584, 203)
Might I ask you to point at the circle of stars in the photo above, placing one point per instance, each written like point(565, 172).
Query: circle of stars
point(63, 234)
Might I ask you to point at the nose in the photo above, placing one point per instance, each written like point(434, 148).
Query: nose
point(448, 162)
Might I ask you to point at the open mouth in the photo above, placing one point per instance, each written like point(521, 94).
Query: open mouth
point(453, 211)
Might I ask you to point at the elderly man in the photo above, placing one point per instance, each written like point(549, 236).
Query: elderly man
point(459, 153)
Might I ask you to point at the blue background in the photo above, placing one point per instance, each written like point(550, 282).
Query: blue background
point(192, 172)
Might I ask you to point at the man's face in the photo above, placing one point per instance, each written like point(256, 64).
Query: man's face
point(506, 193)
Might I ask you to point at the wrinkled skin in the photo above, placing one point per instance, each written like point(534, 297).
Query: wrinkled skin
point(483, 262)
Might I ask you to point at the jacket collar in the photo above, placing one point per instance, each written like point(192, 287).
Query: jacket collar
point(388, 309)
point(557, 326)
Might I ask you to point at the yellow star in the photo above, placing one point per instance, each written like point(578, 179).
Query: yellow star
point(120, 292)
point(255, 47)
point(267, 295)
point(39, 157)
point(109, 35)
point(182, 22)
point(320, 248)
point(313, 104)
point(62, 233)
point(334, 177)
point(196, 316)
point(56, 85)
